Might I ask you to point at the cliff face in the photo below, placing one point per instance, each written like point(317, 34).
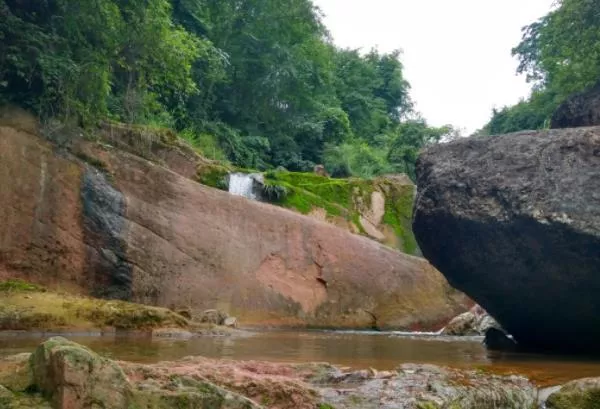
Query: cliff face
point(96, 219)
point(514, 221)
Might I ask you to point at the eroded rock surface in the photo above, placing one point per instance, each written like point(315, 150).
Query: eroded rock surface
point(514, 222)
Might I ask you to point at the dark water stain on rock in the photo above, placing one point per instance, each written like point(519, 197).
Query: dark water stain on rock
point(104, 227)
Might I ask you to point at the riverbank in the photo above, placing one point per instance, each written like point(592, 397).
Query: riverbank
point(70, 376)
point(32, 308)
point(62, 374)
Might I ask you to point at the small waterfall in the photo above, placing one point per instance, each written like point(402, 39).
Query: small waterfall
point(245, 184)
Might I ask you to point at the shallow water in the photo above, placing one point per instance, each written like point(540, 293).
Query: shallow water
point(382, 351)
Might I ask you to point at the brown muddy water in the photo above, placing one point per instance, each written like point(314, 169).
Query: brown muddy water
point(359, 350)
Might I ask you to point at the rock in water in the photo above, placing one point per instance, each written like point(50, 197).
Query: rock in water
point(73, 377)
point(514, 221)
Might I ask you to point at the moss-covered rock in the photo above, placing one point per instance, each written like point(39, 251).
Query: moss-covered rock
point(73, 377)
point(580, 394)
point(214, 175)
point(15, 372)
point(25, 306)
point(354, 200)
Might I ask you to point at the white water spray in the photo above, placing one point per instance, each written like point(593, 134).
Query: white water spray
point(244, 184)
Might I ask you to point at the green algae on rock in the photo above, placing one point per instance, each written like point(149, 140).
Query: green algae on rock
point(579, 394)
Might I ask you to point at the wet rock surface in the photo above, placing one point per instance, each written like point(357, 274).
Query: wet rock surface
point(513, 222)
point(474, 322)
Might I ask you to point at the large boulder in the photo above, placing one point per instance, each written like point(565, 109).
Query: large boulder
point(99, 220)
point(581, 109)
point(514, 221)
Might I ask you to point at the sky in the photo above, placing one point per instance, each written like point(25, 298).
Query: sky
point(456, 54)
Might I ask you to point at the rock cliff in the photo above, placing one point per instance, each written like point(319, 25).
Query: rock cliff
point(514, 221)
point(94, 219)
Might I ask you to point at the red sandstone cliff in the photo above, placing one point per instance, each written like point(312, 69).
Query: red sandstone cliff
point(98, 220)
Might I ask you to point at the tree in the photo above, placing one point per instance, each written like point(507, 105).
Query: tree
point(560, 55)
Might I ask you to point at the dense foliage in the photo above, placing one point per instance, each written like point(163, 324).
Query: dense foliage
point(257, 82)
point(560, 54)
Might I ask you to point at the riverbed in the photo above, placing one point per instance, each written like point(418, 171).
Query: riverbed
point(359, 350)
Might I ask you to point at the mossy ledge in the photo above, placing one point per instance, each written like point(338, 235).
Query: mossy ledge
point(349, 199)
point(29, 307)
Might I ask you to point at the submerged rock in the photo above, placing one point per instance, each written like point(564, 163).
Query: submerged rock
point(514, 222)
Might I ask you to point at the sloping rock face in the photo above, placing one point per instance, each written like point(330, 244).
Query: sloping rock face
point(579, 110)
point(514, 221)
point(97, 220)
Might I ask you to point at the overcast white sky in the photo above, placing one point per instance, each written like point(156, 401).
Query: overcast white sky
point(457, 54)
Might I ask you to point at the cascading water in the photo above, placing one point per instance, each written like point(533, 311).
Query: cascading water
point(244, 184)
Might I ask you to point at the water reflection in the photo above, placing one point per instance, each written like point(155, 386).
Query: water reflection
point(353, 349)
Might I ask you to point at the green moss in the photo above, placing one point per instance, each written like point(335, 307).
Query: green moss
point(347, 198)
point(48, 310)
point(20, 286)
point(325, 406)
point(214, 175)
point(307, 191)
point(398, 215)
point(575, 398)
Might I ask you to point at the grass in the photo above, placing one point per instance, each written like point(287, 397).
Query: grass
point(25, 306)
point(19, 286)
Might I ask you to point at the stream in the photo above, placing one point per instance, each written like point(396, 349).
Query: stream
point(359, 350)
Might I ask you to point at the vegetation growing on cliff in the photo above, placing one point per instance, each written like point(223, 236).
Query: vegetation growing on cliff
point(560, 55)
point(348, 199)
point(256, 82)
